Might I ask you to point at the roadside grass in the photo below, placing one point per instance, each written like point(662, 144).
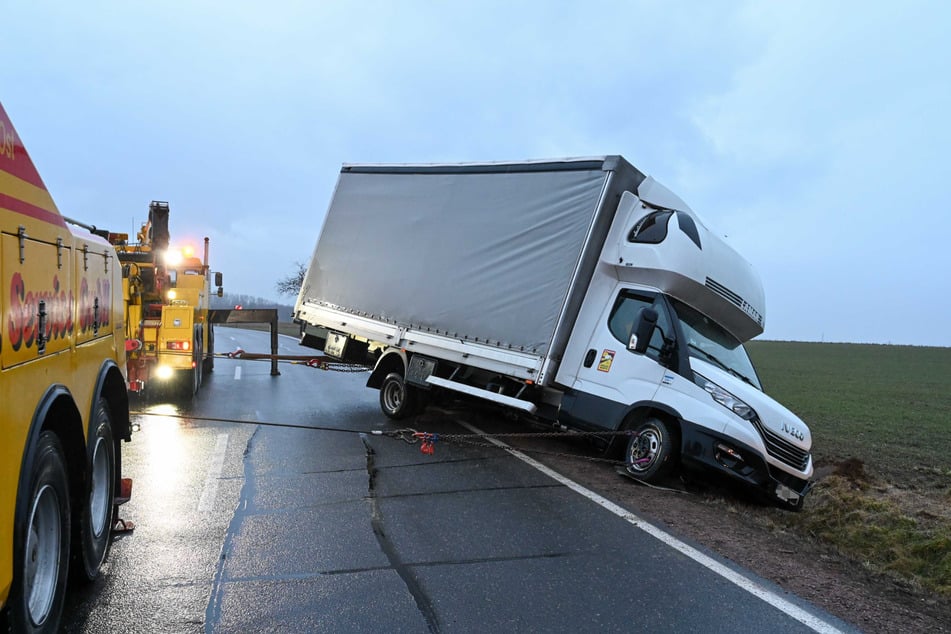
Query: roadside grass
point(881, 422)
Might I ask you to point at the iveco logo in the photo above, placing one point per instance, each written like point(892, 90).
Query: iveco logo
point(792, 431)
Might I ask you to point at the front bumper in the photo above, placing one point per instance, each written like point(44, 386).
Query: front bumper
point(740, 463)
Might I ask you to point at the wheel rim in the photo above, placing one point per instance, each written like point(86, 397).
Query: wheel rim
point(99, 491)
point(42, 553)
point(393, 396)
point(645, 449)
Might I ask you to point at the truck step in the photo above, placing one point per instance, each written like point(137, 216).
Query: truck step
point(508, 401)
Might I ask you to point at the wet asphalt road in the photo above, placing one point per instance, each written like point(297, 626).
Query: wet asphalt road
point(243, 527)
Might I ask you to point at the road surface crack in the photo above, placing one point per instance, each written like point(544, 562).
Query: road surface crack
point(423, 602)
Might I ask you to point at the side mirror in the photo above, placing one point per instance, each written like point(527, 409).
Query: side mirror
point(642, 331)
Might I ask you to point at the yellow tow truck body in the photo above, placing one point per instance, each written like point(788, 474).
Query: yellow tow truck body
point(62, 374)
point(167, 294)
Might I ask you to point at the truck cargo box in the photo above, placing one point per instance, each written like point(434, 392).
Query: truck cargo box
point(503, 246)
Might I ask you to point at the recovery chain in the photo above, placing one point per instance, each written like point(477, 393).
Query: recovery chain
point(428, 440)
point(410, 436)
point(311, 361)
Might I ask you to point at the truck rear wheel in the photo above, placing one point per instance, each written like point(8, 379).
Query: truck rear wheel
point(96, 517)
point(199, 363)
point(41, 541)
point(397, 399)
point(650, 451)
point(208, 364)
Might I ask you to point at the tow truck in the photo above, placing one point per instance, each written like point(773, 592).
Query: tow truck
point(167, 294)
point(65, 409)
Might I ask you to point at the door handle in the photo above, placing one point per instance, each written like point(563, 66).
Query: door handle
point(589, 358)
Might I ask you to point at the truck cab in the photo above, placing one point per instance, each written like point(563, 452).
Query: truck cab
point(657, 349)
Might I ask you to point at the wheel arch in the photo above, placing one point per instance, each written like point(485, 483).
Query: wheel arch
point(111, 386)
point(639, 412)
point(393, 360)
point(56, 412)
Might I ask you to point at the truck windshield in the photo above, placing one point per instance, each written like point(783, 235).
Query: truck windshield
point(706, 340)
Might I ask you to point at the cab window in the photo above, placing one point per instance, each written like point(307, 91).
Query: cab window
point(627, 311)
point(651, 229)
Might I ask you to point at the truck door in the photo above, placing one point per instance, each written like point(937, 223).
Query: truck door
point(611, 377)
point(38, 318)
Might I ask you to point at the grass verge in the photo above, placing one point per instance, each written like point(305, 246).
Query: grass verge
point(881, 423)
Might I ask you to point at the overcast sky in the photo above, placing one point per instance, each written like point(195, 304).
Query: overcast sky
point(814, 135)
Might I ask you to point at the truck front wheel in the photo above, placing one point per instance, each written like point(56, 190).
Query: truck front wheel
point(650, 451)
point(397, 400)
point(41, 541)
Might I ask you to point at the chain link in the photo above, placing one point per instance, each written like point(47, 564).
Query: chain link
point(342, 367)
point(314, 362)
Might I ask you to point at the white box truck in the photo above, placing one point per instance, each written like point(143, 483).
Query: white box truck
point(579, 291)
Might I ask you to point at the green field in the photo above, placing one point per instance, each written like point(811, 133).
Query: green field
point(881, 423)
point(889, 406)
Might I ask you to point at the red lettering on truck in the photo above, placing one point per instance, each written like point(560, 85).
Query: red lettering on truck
point(23, 326)
point(87, 304)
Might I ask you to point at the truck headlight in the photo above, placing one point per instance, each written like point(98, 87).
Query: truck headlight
point(724, 398)
point(164, 372)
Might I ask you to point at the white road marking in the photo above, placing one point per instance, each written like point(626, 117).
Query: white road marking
point(793, 611)
point(209, 492)
point(237, 373)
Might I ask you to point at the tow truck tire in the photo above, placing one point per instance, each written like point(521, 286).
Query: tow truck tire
point(95, 521)
point(650, 452)
point(396, 399)
point(199, 363)
point(208, 364)
point(41, 541)
point(188, 381)
point(182, 385)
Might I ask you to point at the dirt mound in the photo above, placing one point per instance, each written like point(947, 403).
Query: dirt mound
point(851, 469)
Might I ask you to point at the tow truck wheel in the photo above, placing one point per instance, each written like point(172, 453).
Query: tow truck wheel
point(41, 541)
point(396, 400)
point(190, 380)
point(208, 364)
point(96, 517)
point(650, 451)
point(199, 363)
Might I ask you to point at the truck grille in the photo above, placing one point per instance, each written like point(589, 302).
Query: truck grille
point(781, 449)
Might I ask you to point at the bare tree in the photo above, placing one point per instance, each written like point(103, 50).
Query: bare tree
point(290, 284)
